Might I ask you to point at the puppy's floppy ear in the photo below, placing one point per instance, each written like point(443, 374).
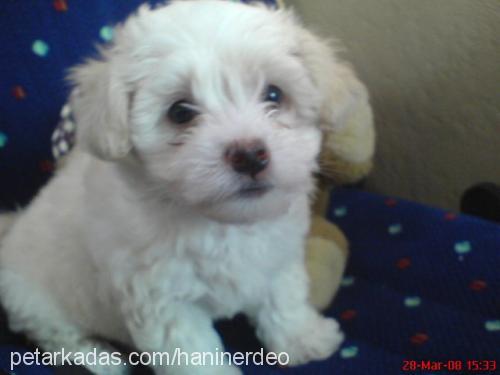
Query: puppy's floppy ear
point(100, 106)
point(346, 115)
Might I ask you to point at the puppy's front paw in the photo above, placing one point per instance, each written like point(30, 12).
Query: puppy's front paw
point(318, 339)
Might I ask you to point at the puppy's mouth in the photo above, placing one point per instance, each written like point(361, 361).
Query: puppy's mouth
point(254, 190)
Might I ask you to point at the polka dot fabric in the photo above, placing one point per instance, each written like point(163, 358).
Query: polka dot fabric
point(40, 41)
point(421, 283)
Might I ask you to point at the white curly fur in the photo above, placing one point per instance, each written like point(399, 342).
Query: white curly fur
point(142, 237)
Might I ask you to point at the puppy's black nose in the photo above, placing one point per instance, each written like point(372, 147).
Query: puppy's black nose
point(249, 158)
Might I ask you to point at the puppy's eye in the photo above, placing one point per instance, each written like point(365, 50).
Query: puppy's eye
point(273, 95)
point(181, 112)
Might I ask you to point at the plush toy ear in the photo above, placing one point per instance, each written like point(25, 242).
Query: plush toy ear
point(346, 116)
point(100, 106)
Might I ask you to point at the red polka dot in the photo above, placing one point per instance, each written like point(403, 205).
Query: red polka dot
point(478, 285)
point(450, 216)
point(60, 5)
point(391, 202)
point(46, 166)
point(18, 92)
point(419, 338)
point(403, 263)
point(348, 315)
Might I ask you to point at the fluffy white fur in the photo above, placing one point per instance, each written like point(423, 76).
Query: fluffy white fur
point(143, 237)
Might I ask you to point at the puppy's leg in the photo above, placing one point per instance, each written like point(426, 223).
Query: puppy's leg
point(286, 322)
point(181, 331)
point(33, 312)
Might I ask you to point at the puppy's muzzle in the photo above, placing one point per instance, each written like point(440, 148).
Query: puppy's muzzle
point(248, 158)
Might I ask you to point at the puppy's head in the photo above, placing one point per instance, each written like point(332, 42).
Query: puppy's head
point(218, 103)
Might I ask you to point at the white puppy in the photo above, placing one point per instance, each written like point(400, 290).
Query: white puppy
point(187, 196)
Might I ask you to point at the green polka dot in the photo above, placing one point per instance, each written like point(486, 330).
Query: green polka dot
point(492, 325)
point(40, 48)
point(347, 281)
point(395, 229)
point(463, 247)
point(340, 211)
point(3, 139)
point(412, 302)
point(106, 33)
point(349, 352)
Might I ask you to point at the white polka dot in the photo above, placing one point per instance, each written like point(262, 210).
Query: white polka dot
point(66, 110)
point(69, 126)
point(55, 152)
point(63, 146)
point(55, 135)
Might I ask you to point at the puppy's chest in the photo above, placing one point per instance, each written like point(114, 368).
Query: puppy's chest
point(235, 267)
point(225, 270)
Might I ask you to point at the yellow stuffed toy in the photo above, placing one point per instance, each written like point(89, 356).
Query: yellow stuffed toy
point(346, 157)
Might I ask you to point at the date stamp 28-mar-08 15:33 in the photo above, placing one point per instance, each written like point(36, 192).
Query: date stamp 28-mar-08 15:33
point(466, 366)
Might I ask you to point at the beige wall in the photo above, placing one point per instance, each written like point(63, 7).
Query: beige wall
point(433, 70)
